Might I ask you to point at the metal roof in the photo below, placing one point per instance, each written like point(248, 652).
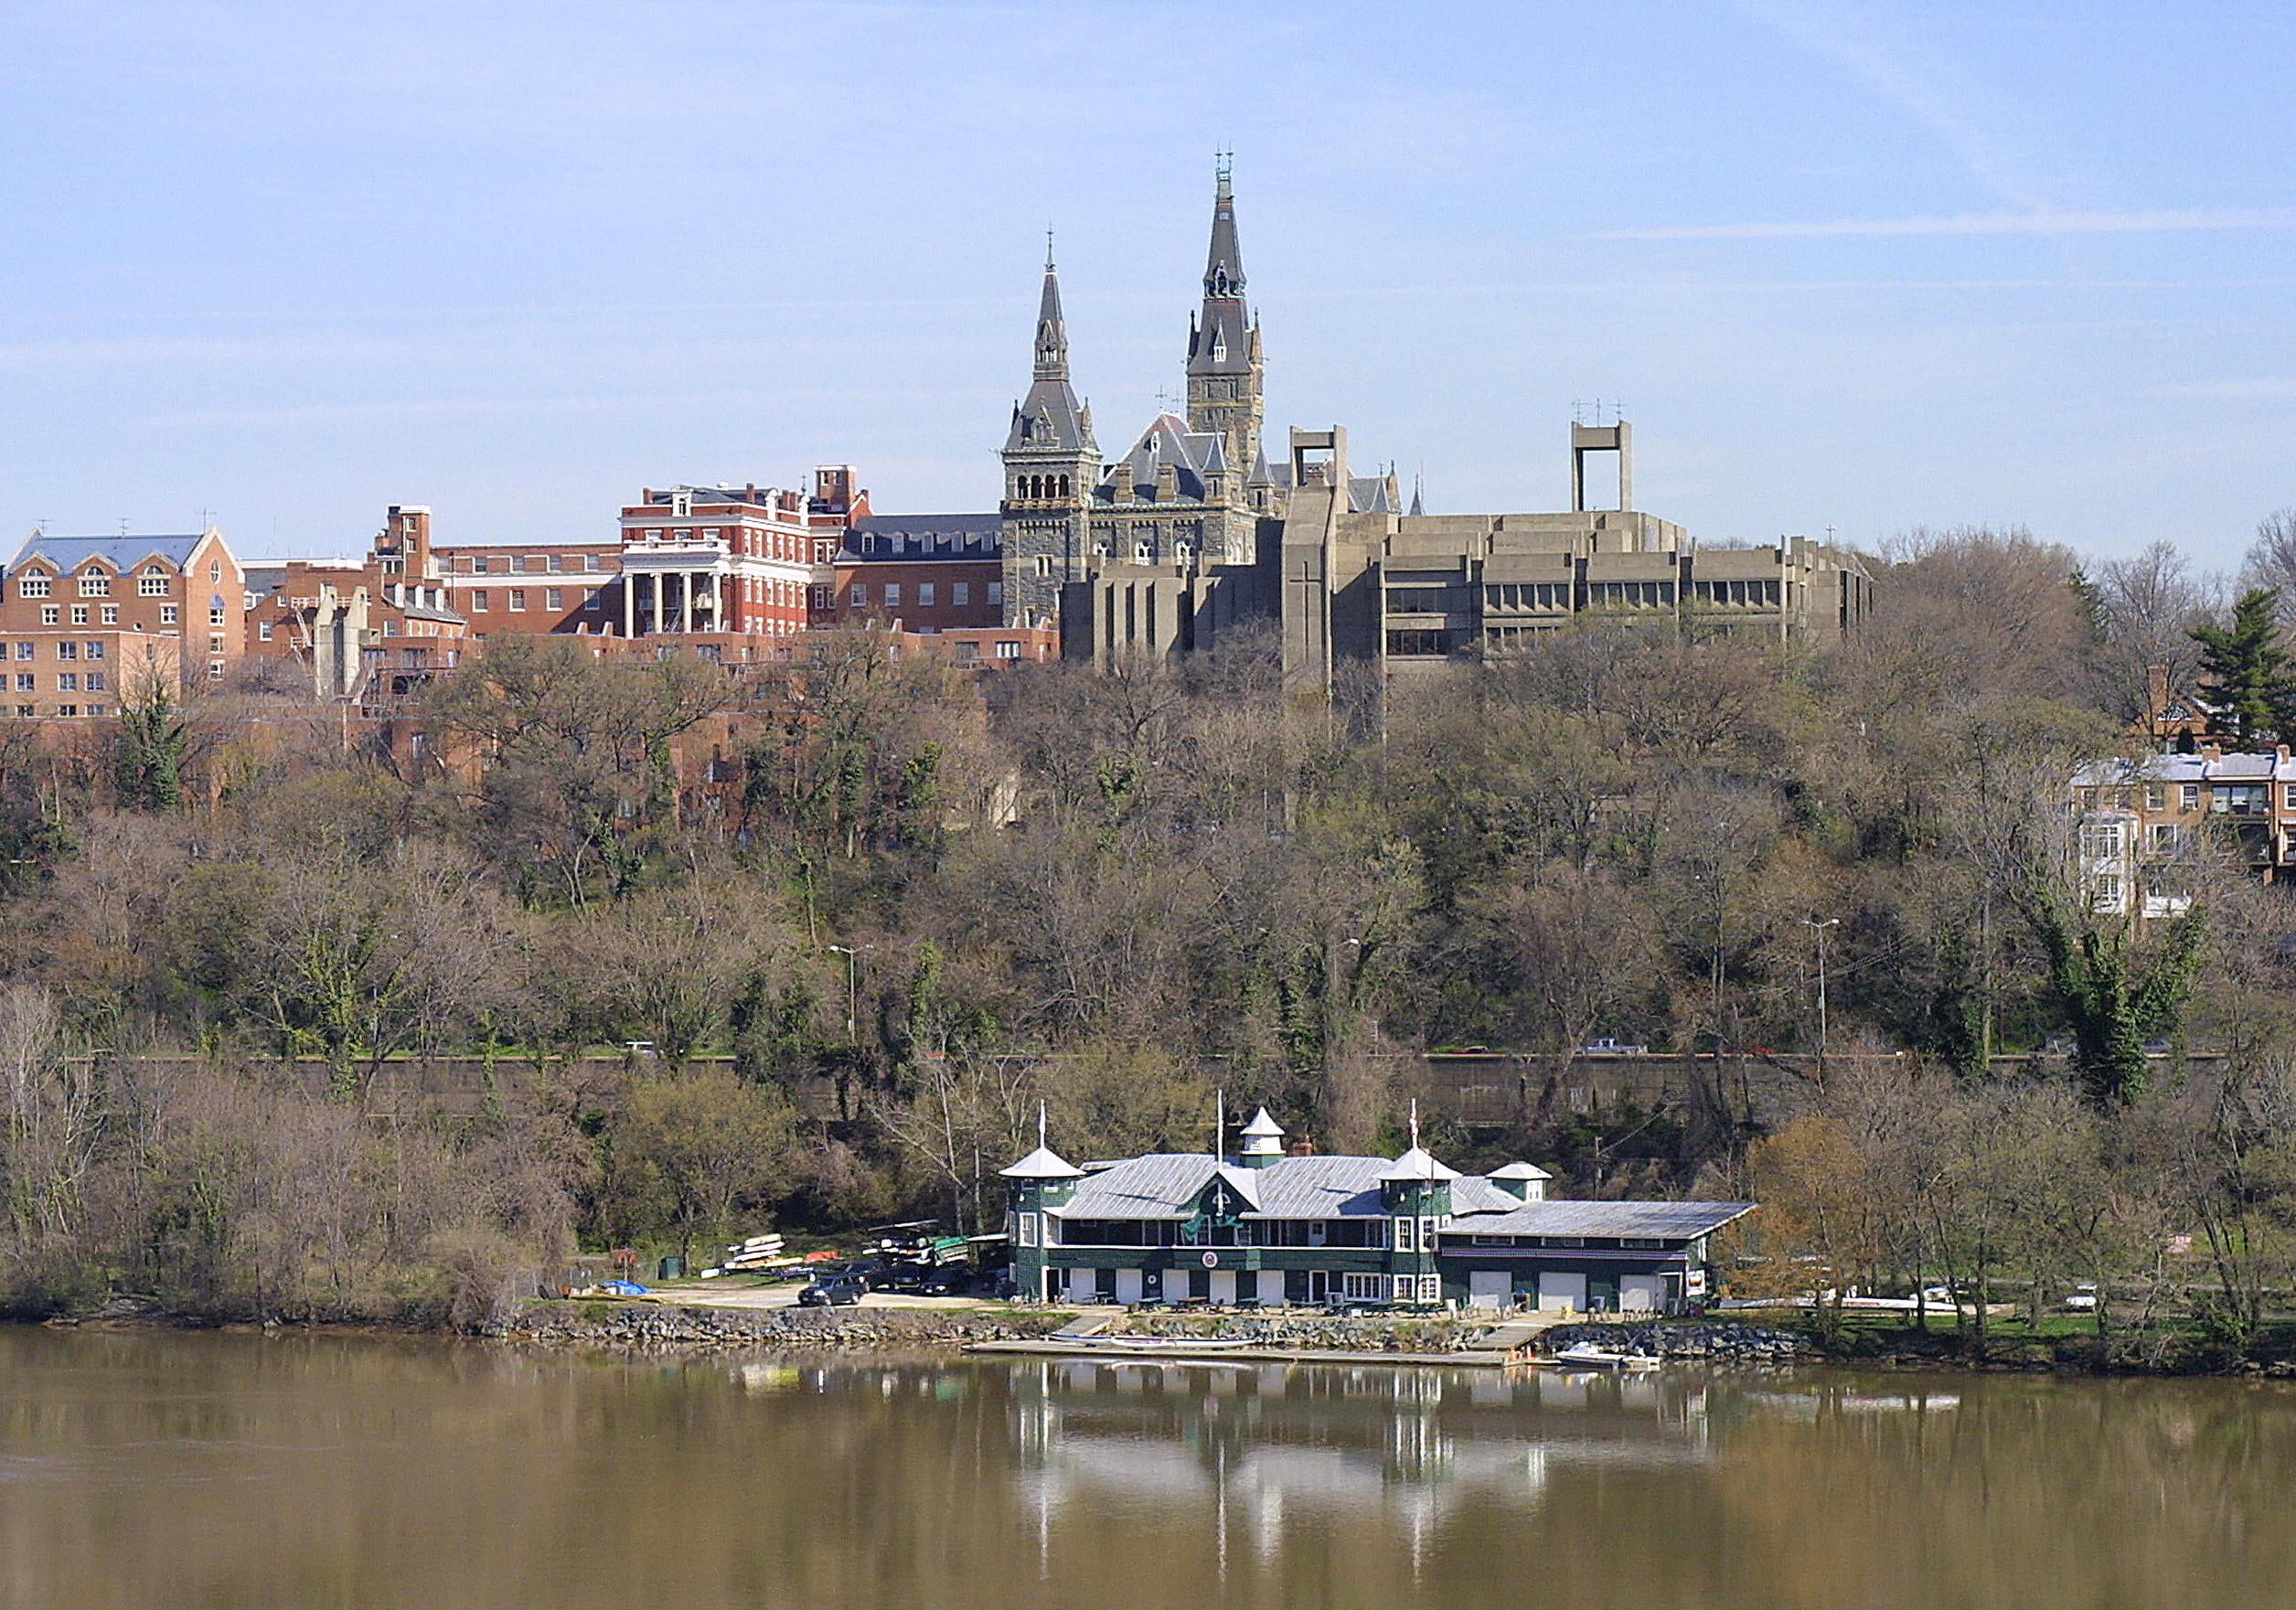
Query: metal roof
point(123, 553)
point(1043, 1163)
point(1471, 1194)
point(1653, 1220)
point(1321, 1188)
point(1521, 1171)
point(1418, 1163)
point(1161, 1185)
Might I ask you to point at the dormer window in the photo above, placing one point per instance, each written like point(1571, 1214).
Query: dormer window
point(96, 584)
point(152, 583)
point(32, 584)
point(681, 506)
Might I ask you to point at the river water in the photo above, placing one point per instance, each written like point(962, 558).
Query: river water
point(205, 1469)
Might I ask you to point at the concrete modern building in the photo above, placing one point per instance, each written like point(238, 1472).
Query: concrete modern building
point(1266, 1228)
point(1352, 579)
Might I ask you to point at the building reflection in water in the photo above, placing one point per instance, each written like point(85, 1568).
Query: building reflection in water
point(1263, 1450)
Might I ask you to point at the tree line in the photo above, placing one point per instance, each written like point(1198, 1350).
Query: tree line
point(868, 911)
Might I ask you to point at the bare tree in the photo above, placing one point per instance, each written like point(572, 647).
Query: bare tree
point(2271, 559)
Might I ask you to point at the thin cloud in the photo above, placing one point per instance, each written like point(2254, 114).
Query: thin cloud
point(2255, 389)
point(2157, 222)
point(1969, 119)
point(450, 407)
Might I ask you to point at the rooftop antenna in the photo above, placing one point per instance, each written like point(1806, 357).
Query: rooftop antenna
point(1829, 533)
point(124, 526)
point(1578, 413)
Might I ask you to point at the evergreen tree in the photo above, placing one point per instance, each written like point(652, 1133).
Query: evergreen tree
point(147, 766)
point(2246, 672)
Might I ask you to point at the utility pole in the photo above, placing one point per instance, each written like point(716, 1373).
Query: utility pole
point(1820, 929)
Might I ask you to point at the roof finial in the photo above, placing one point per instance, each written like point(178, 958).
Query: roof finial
point(1220, 1128)
point(1048, 249)
point(1040, 1120)
point(1224, 170)
point(1414, 1123)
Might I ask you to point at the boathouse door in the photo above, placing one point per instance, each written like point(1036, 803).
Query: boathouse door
point(1489, 1288)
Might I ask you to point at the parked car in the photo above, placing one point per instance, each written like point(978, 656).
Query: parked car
point(1611, 1047)
point(950, 1280)
point(902, 1274)
point(2082, 1298)
point(834, 1291)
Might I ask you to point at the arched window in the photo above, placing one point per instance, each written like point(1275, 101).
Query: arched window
point(1144, 551)
point(1064, 485)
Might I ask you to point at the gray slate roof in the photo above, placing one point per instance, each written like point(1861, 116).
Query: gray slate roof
point(123, 553)
point(1168, 441)
point(1049, 419)
point(917, 536)
point(1658, 1221)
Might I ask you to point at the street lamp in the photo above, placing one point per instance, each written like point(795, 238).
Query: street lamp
point(852, 991)
point(1820, 929)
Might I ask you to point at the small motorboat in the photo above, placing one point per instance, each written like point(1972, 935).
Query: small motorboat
point(1587, 1356)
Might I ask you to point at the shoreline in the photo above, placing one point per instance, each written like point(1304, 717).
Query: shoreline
point(668, 1329)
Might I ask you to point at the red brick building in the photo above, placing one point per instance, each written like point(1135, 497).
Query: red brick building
point(918, 573)
point(185, 587)
point(741, 560)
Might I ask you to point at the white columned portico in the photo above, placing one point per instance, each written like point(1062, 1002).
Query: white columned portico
point(629, 603)
point(686, 601)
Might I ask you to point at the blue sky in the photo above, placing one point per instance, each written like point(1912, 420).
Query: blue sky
point(1857, 266)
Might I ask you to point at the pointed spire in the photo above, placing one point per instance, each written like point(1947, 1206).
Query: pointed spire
point(1052, 329)
point(1223, 263)
point(1418, 492)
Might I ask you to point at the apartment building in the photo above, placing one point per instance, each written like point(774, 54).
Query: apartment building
point(2138, 822)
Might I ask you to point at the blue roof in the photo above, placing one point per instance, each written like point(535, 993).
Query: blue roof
point(68, 553)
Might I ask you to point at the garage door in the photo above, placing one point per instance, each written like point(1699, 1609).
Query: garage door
point(1640, 1294)
point(1489, 1288)
point(1271, 1288)
point(1224, 1288)
point(1557, 1292)
point(1128, 1286)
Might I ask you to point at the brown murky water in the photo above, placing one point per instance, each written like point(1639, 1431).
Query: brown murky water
point(232, 1470)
